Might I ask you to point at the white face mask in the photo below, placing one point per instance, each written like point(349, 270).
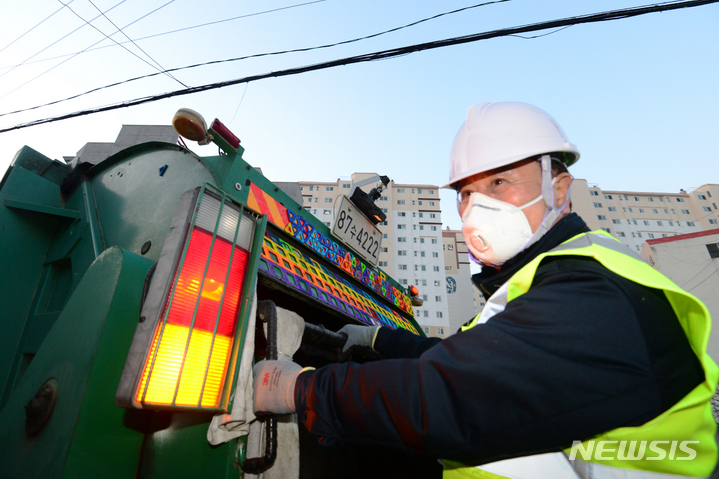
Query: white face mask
point(495, 231)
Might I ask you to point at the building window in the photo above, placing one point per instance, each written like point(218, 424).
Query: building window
point(412, 202)
point(431, 203)
point(680, 200)
point(430, 192)
point(612, 208)
point(594, 193)
point(402, 281)
point(616, 222)
point(312, 188)
point(419, 191)
point(601, 217)
point(383, 249)
point(424, 283)
point(425, 313)
point(400, 190)
point(651, 235)
point(402, 239)
point(621, 233)
point(659, 223)
point(639, 235)
point(706, 208)
point(634, 221)
point(402, 266)
point(400, 213)
point(433, 228)
point(646, 223)
point(435, 254)
point(690, 223)
point(433, 215)
point(419, 203)
point(607, 197)
point(714, 205)
point(654, 211)
point(631, 210)
point(712, 222)
point(346, 185)
point(421, 227)
point(651, 200)
point(666, 211)
point(709, 194)
point(436, 268)
point(421, 240)
point(401, 252)
point(401, 227)
point(641, 210)
point(597, 205)
point(701, 197)
point(434, 240)
point(424, 268)
point(421, 254)
point(426, 328)
point(400, 202)
point(328, 200)
point(685, 212)
point(607, 230)
point(661, 199)
point(438, 299)
point(383, 263)
point(383, 198)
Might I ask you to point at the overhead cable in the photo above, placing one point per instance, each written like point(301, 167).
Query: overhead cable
point(256, 55)
point(382, 55)
point(36, 25)
point(159, 67)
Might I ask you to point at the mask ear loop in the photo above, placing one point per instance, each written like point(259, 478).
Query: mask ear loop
point(552, 213)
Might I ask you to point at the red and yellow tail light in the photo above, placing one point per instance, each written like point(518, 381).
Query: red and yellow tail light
point(185, 348)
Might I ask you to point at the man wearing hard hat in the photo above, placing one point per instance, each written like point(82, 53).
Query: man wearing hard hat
point(585, 362)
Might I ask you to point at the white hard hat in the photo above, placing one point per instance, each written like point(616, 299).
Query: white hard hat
point(502, 133)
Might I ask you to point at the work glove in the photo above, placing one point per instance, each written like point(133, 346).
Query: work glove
point(274, 386)
point(359, 336)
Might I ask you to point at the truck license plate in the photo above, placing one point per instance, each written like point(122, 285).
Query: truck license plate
point(354, 229)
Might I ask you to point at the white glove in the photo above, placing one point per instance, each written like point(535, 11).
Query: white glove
point(274, 386)
point(359, 335)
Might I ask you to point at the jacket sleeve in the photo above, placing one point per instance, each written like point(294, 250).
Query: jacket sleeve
point(400, 343)
point(563, 362)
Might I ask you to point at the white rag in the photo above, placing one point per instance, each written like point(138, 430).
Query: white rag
point(241, 420)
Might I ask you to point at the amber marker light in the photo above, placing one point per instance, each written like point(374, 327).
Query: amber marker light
point(185, 348)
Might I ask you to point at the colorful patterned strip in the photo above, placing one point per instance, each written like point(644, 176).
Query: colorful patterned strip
point(300, 272)
point(304, 232)
point(263, 203)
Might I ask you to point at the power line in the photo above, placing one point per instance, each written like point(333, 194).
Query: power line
point(37, 25)
point(382, 55)
point(59, 40)
point(160, 69)
point(256, 55)
point(180, 30)
point(76, 54)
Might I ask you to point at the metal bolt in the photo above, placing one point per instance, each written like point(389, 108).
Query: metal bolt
point(238, 186)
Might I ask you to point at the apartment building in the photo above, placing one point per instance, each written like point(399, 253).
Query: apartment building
point(460, 292)
point(635, 217)
point(412, 243)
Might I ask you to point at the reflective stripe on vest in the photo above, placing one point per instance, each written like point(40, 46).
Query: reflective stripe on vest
point(690, 419)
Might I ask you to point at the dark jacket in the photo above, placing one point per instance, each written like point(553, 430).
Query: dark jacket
point(582, 352)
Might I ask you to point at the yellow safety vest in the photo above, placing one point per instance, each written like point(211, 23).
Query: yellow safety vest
point(671, 439)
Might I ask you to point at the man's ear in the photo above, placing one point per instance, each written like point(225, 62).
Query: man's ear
point(561, 188)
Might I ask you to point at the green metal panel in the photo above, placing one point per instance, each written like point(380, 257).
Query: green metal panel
point(135, 202)
point(87, 434)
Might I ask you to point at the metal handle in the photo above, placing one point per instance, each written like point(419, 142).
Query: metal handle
point(267, 312)
point(318, 335)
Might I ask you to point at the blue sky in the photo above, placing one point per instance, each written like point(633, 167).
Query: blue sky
point(638, 96)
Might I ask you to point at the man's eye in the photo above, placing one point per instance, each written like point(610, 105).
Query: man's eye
point(498, 182)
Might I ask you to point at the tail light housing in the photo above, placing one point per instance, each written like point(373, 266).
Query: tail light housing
point(194, 317)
